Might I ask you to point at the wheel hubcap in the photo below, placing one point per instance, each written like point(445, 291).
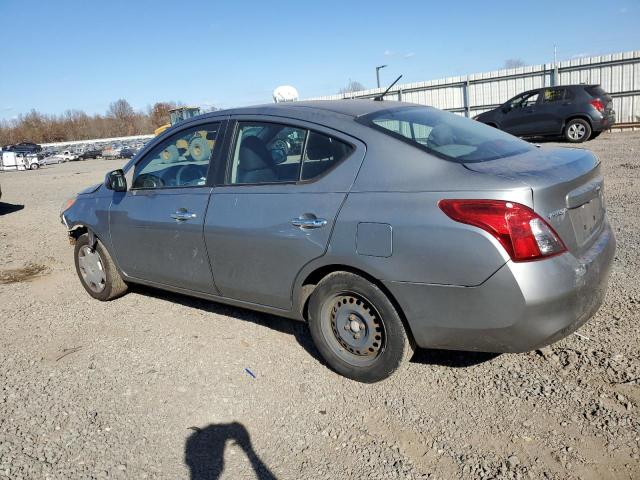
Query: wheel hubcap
point(577, 131)
point(92, 269)
point(358, 331)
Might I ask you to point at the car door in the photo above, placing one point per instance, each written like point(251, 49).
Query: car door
point(156, 226)
point(519, 114)
point(276, 206)
point(555, 105)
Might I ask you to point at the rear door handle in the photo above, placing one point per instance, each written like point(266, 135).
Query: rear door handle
point(182, 215)
point(308, 223)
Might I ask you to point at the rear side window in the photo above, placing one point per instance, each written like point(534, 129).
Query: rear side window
point(554, 95)
point(446, 135)
point(595, 91)
point(321, 153)
point(267, 152)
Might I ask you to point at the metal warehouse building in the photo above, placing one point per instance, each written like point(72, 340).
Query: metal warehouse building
point(618, 73)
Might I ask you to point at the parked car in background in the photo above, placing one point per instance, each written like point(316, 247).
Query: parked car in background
point(87, 154)
point(23, 147)
point(112, 152)
point(576, 112)
point(68, 156)
point(127, 153)
point(395, 225)
point(52, 160)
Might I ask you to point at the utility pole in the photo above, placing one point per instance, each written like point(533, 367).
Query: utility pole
point(378, 74)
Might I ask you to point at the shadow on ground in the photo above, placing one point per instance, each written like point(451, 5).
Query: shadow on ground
point(300, 331)
point(451, 358)
point(204, 451)
point(7, 208)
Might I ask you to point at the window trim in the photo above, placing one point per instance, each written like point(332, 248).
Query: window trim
point(287, 122)
point(217, 147)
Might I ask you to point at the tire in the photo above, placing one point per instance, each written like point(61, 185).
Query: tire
point(343, 306)
point(102, 281)
point(34, 166)
point(577, 131)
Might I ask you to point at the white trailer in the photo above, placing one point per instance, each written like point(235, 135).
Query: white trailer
point(18, 161)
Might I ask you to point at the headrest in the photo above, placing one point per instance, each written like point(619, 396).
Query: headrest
point(253, 154)
point(319, 147)
point(441, 135)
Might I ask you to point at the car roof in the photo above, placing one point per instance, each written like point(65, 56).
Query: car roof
point(348, 107)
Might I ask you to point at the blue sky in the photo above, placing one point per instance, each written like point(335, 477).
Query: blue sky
point(60, 55)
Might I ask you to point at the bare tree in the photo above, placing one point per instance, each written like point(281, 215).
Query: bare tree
point(352, 86)
point(121, 119)
point(159, 113)
point(514, 63)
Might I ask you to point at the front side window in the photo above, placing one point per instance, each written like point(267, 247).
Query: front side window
point(524, 100)
point(182, 160)
point(278, 153)
point(446, 135)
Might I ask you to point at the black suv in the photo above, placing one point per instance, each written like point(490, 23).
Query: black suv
point(23, 147)
point(577, 112)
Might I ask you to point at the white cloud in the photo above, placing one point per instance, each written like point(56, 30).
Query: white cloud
point(389, 53)
point(408, 55)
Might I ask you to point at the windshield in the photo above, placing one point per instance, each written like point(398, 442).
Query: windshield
point(447, 135)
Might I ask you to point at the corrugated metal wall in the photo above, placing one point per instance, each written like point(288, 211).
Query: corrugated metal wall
point(618, 73)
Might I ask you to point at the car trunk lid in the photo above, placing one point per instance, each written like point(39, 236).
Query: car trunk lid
point(567, 189)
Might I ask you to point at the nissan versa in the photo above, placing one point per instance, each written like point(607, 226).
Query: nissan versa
point(384, 225)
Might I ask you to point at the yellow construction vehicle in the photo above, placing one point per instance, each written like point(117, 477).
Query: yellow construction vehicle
point(177, 115)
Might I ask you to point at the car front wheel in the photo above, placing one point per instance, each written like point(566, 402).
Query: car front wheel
point(357, 329)
point(577, 131)
point(97, 271)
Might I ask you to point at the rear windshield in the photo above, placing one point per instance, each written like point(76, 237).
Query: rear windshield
point(447, 135)
point(596, 91)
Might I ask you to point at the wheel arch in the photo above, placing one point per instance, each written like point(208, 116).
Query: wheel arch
point(312, 278)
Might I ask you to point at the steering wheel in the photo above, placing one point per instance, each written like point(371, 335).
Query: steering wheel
point(188, 174)
point(280, 145)
point(146, 180)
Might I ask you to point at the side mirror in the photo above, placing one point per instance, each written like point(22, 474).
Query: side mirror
point(116, 181)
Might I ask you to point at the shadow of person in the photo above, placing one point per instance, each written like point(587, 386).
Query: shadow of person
point(204, 451)
point(6, 208)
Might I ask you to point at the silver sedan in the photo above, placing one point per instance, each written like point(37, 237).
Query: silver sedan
point(385, 226)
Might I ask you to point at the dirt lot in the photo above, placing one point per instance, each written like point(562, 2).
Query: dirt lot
point(153, 385)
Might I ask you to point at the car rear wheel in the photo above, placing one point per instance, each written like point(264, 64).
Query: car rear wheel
point(357, 329)
point(34, 166)
point(96, 270)
point(577, 131)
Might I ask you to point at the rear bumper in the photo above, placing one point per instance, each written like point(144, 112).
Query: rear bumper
point(603, 122)
point(523, 306)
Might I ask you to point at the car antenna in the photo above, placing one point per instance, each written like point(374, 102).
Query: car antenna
point(379, 98)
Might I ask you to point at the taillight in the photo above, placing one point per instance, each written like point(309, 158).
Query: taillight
point(521, 231)
point(597, 104)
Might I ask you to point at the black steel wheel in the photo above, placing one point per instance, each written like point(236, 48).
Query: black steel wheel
point(357, 329)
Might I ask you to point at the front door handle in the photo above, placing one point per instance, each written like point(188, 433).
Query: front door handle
point(182, 215)
point(308, 223)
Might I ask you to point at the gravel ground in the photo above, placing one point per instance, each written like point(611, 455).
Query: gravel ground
point(153, 385)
